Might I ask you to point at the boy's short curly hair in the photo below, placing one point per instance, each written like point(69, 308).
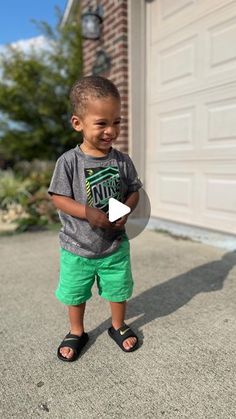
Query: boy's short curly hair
point(88, 87)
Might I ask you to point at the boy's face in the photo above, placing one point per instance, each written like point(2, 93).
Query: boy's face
point(100, 125)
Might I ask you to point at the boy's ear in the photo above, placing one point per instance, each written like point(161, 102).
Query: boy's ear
point(76, 123)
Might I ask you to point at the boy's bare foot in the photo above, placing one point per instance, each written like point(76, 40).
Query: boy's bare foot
point(128, 343)
point(68, 352)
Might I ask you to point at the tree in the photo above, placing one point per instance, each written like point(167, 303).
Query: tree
point(34, 95)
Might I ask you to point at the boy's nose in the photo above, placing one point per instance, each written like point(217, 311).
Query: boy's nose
point(109, 130)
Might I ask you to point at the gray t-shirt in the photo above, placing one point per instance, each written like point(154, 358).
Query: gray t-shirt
point(92, 181)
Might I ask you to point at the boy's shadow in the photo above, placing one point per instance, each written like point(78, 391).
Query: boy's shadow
point(169, 296)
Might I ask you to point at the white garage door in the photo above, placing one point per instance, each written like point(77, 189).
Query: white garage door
point(191, 111)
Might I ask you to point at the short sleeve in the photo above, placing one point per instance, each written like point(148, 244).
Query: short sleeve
point(133, 181)
point(61, 182)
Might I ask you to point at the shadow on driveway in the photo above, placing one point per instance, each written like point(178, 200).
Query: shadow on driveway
point(169, 296)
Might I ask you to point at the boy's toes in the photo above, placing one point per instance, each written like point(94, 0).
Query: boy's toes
point(129, 343)
point(69, 351)
point(66, 352)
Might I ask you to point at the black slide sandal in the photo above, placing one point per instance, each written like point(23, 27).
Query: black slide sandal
point(121, 334)
point(74, 342)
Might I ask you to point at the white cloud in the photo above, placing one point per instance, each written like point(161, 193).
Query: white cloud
point(26, 45)
point(39, 42)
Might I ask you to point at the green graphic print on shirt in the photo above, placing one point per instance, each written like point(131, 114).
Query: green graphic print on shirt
point(102, 183)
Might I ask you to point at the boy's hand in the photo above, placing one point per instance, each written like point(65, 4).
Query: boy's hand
point(97, 218)
point(119, 224)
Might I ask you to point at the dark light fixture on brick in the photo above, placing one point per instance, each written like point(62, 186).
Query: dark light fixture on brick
point(91, 22)
point(102, 63)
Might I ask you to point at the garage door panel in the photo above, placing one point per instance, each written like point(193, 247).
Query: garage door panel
point(176, 129)
point(168, 16)
point(177, 64)
point(222, 124)
point(175, 190)
point(220, 48)
point(219, 123)
point(171, 189)
point(174, 66)
point(171, 132)
point(219, 197)
point(222, 43)
point(169, 8)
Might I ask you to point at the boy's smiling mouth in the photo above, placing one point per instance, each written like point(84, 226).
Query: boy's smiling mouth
point(107, 140)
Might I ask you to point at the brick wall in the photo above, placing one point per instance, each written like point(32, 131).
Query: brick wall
point(114, 41)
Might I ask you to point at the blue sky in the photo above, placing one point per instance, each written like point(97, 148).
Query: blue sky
point(16, 15)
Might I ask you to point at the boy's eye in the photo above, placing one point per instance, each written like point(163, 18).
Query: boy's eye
point(101, 124)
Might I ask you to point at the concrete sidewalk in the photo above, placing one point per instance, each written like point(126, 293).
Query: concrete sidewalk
point(183, 309)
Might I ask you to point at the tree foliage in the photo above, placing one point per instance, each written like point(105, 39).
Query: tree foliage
point(34, 95)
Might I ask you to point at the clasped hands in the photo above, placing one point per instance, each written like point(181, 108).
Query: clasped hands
point(98, 218)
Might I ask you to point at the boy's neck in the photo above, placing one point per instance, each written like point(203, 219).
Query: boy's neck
point(93, 153)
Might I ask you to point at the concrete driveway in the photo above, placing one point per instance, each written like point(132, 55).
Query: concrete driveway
point(183, 310)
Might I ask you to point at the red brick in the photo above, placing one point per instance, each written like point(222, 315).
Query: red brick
point(115, 42)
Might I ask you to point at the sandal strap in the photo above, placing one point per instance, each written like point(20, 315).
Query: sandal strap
point(73, 341)
point(121, 334)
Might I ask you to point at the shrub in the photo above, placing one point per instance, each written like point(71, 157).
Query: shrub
point(24, 199)
point(13, 190)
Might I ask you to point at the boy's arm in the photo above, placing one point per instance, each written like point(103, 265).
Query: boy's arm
point(69, 206)
point(132, 200)
point(94, 216)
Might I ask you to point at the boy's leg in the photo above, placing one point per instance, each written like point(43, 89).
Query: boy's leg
point(118, 311)
point(76, 317)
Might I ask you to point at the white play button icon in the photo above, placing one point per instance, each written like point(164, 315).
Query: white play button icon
point(117, 209)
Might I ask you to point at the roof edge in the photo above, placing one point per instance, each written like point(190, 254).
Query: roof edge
point(69, 11)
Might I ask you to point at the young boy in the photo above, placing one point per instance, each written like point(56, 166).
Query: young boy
point(92, 247)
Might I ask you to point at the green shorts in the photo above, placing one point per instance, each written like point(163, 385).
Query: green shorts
point(112, 273)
